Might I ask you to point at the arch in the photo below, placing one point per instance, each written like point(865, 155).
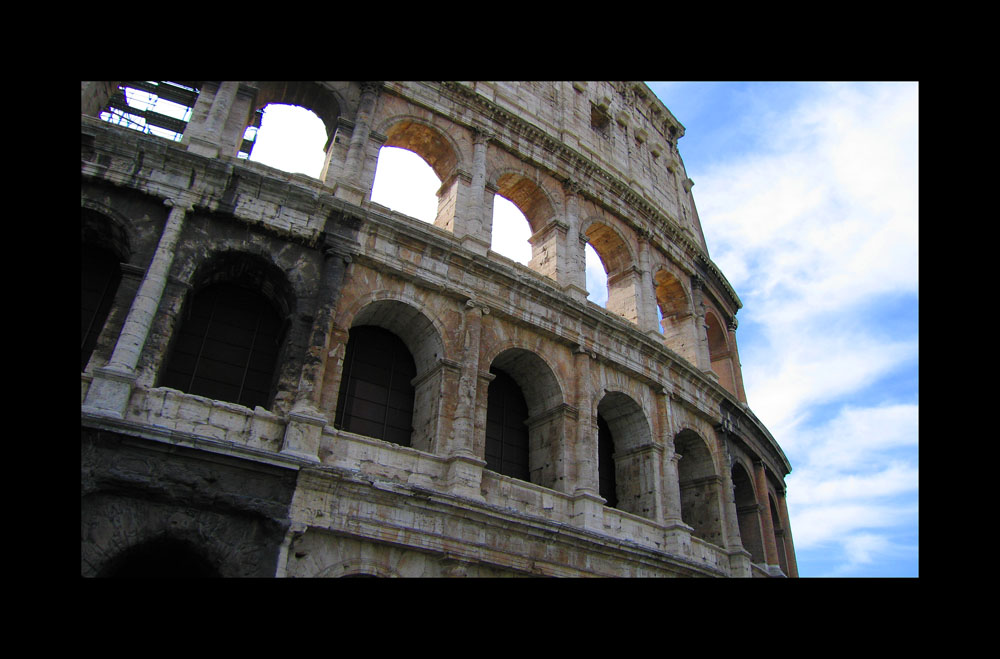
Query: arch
point(376, 391)
point(161, 557)
point(231, 336)
point(626, 474)
point(719, 352)
point(104, 227)
point(699, 484)
point(413, 339)
point(671, 297)
point(433, 145)
point(529, 197)
point(676, 318)
point(619, 263)
point(525, 376)
point(439, 152)
point(747, 512)
point(325, 103)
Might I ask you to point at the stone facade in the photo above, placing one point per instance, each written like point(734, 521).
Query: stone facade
point(176, 482)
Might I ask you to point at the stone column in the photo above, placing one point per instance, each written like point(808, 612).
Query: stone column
point(647, 298)
point(359, 136)
point(671, 482)
point(305, 420)
point(731, 524)
point(588, 505)
point(462, 441)
point(734, 357)
point(205, 138)
point(575, 283)
point(793, 568)
point(760, 484)
point(700, 329)
point(112, 385)
point(465, 467)
point(472, 226)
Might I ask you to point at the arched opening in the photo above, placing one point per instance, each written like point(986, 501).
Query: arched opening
point(376, 391)
point(405, 183)
point(747, 513)
point(415, 173)
point(607, 481)
point(626, 472)
point(521, 205)
point(406, 348)
point(674, 314)
point(719, 353)
point(619, 265)
point(232, 331)
point(511, 231)
point(532, 401)
point(596, 277)
point(162, 558)
point(287, 137)
point(699, 487)
point(506, 430)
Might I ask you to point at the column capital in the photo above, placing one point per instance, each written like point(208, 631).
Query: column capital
point(572, 187)
point(182, 203)
point(482, 135)
point(471, 304)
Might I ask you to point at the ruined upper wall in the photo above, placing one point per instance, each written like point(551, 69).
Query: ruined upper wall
point(618, 127)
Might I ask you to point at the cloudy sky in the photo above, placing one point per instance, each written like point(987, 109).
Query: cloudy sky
point(807, 194)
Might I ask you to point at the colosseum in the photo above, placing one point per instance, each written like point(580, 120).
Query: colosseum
point(283, 378)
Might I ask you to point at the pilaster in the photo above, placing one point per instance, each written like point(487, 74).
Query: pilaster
point(767, 524)
point(205, 137)
point(112, 385)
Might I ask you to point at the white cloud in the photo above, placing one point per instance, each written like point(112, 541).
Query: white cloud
point(810, 229)
point(816, 228)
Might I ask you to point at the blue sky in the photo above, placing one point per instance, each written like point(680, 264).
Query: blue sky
point(807, 194)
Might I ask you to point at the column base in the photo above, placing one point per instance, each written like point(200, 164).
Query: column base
point(302, 435)
point(109, 392)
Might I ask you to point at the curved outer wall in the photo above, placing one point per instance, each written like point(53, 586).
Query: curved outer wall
point(281, 489)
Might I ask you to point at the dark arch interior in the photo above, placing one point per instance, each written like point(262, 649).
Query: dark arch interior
point(608, 487)
point(162, 558)
point(227, 346)
point(506, 431)
point(376, 390)
point(100, 274)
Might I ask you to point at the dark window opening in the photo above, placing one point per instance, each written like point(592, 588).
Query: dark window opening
point(600, 120)
point(100, 276)
point(607, 487)
point(506, 431)
point(227, 347)
point(376, 390)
